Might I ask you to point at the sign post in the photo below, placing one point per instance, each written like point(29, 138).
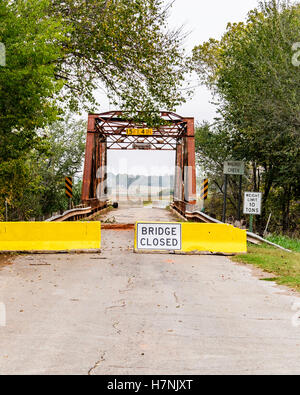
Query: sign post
point(251, 223)
point(252, 206)
point(233, 167)
point(225, 199)
point(240, 198)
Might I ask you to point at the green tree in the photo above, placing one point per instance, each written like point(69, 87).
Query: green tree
point(214, 146)
point(20, 186)
point(34, 186)
point(124, 47)
point(28, 84)
point(250, 70)
point(66, 145)
point(28, 87)
point(77, 45)
point(58, 53)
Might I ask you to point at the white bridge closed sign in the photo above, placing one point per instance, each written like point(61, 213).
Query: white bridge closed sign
point(252, 203)
point(158, 236)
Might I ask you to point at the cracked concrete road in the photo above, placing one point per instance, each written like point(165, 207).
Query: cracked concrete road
point(125, 313)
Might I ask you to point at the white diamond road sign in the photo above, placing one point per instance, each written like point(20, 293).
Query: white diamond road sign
point(234, 167)
point(252, 203)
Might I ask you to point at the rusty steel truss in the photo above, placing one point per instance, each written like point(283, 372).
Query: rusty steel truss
point(109, 130)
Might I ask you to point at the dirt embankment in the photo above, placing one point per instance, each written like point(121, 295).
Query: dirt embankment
point(5, 260)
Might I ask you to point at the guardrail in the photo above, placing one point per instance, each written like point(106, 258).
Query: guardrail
point(198, 216)
point(70, 214)
point(78, 213)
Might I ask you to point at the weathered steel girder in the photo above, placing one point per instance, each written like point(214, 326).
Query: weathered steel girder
point(113, 127)
point(109, 130)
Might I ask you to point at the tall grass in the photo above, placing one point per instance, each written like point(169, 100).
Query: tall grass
point(286, 242)
point(284, 265)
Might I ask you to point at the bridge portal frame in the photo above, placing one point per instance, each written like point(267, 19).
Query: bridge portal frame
point(109, 131)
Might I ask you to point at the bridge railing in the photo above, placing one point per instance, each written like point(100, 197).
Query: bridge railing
point(79, 212)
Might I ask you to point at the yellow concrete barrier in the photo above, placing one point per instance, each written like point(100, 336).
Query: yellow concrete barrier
point(189, 238)
point(50, 236)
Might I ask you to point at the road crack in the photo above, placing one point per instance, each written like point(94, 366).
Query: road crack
point(129, 286)
point(115, 307)
point(97, 364)
point(176, 297)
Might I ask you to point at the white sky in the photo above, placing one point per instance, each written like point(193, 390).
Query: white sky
point(202, 19)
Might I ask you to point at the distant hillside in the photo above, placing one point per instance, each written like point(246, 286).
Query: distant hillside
point(124, 180)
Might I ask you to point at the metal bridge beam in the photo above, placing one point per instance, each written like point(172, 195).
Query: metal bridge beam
point(104, 129)
point(190, 163)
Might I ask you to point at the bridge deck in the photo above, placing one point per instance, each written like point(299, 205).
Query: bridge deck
point(130, 215)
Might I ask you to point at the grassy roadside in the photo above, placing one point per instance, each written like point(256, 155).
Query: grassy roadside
point(284, 265)
point(286, 242)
